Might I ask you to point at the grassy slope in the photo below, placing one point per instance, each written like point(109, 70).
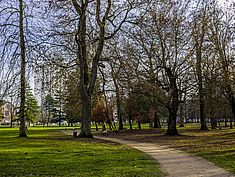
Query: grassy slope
point(48, 152)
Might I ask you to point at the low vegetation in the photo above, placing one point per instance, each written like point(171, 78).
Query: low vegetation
point(49, 152)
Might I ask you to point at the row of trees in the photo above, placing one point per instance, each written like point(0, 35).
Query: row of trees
point(156, 58)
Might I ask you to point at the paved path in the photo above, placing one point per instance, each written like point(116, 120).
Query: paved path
point(176, 163)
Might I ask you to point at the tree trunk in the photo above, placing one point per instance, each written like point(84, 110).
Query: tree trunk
point(232, 104)
point(86, 85)
point(86, 116)
point(171, 130)
point(139, 124)
point(231, 123)
point(120, 121)
point(103, 126)
point(213, 123)
point(202, 112)
point(118, 102)
point(225, 122)
point(233, 108)
point(150, 124)
point(111, 126)
point(11, 123)
point(22, 118)
point(174, 104)
point(181, 115)
point(130, 121)
point(201, 92)
point(48, 119)
point(199, 35)
point(88, 75)
point(96, 126)
point(156, 123)
point(60, 119)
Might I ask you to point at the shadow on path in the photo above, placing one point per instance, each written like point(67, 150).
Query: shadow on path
point(176, 163)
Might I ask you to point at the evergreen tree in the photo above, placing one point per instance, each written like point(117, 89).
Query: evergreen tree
point(49, 107)
point(32, 109)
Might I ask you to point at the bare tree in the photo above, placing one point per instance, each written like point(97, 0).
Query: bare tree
point(172, 52)
point(199, 34)
point(22, 132)
point(10, 29)
point(104, 13)
point(222, 35)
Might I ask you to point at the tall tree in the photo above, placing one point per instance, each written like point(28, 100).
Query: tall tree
point(172, 52)
point(199, 34)
point(222, 35)
point(88, 66)
point(22, 132)
point(115, 72)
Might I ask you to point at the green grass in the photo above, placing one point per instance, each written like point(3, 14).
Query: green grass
point(216, 145)
point(49, 152)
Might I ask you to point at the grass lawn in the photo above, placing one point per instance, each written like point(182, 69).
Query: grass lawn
point(49, 152)
point(216, 145)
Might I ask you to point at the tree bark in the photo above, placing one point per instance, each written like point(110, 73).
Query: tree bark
point(156, 123)
point(120, 121)
point(111, 126)
point(86, 115)
point(213, 123)
point(49, 116)
point(201, 93)
point(130, 121)
point(22, 132)
point(174, 104)
point(88, 75)
point(226, 122)
point(172, 130)
point(83, 66)
point(199, 32)
point(232, 103)
point(231, 100)
point(200, 88)
point(96, 126)
point(118, 100)
point(11, 123)
point(139, 124)
point(220, 46)
point(181, 115)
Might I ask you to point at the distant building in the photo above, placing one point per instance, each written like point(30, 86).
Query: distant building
point(7, 112)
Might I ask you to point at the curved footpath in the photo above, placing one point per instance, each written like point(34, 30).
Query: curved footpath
point(176, 163)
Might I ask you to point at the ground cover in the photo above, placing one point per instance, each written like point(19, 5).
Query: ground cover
point(49, 152)
point(216, 145)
